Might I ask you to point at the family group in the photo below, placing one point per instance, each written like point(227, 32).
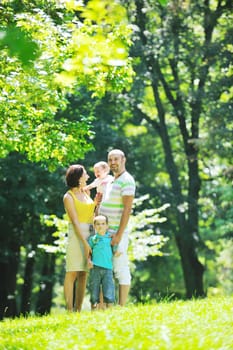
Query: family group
point(98, 233)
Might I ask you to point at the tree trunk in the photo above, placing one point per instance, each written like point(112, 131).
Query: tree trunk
point(27, 287)
point(44, 301)
point(187, 234)
point(187, 227)
point(8, 273)
point(192, 268)
point(3, 289)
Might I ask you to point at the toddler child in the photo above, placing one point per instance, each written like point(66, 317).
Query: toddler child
point(101, 171)
point(101, 273)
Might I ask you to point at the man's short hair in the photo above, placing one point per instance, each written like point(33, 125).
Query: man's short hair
point(116, 151)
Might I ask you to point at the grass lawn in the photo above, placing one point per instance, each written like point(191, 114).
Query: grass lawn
point(191, 325)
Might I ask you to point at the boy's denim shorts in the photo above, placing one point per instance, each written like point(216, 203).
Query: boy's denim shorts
point(99, 276)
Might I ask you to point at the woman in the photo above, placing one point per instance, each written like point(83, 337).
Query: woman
point(80, 210)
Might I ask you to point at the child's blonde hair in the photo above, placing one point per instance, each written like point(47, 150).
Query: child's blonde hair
point(103, 165)
point(99, 217)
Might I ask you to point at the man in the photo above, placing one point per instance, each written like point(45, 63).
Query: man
point(117, 206)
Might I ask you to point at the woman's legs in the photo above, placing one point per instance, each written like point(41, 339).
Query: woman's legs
point(80, 289)
point(70, 278)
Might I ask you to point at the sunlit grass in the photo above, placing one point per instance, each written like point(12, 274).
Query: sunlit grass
point(200, 324)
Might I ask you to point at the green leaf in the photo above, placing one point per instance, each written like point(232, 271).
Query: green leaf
point(163, 2)
point(19, 44)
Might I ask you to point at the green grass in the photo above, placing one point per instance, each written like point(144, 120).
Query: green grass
point(200, 324)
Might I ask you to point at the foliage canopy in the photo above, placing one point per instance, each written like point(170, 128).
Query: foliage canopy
point(48, 52)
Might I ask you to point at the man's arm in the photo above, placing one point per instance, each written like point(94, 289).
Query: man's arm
point(127, 203)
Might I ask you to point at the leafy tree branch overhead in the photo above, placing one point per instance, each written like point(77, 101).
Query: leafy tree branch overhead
point(48, 52)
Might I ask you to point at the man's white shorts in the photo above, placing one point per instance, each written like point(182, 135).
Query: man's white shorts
point(121, 262)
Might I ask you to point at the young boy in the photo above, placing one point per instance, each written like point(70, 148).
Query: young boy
point(101, 273)
point(101, 171)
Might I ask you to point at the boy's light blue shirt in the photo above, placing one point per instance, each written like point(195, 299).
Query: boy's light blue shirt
point(101, 250)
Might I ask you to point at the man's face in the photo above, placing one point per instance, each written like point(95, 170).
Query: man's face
point(101, 226)
point(116, 163)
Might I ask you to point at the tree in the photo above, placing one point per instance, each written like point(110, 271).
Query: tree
point(183, 51)
point(46, 53)
point(27, 190)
